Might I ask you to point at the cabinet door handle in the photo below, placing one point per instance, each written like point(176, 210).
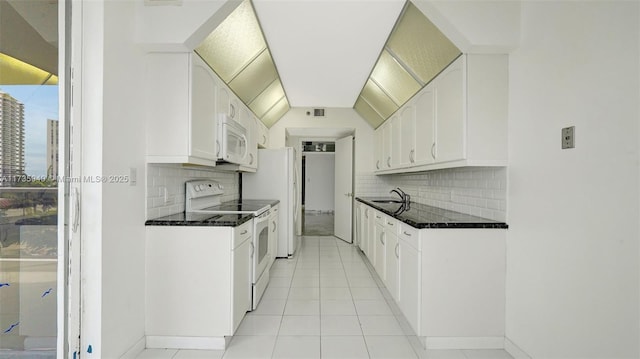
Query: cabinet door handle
point(411, 156)
point(407, 234)
point(233, 110)
point(378, 217)
point(388, 161)
point(275, 226)
point(243, 232)
point(264, 139)
point(397, 255)
point(381, 239)
point(433, 150)
point(251, 158)
point(390, 223)
point(366, 213)
point(378, 164)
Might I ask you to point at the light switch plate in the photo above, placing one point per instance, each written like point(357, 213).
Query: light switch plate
point(568, 137)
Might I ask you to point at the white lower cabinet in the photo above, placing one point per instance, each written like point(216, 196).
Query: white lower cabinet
point(391, 257)
point(379, 253)
point(198, 284)
point(409, 275)
point(448, 283)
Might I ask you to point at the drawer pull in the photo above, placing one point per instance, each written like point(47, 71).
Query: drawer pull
point(378, 217)
point(390, 223)
point(407, 234)
point(244, 232)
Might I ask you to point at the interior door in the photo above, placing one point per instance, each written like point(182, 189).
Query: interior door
point(343, 188)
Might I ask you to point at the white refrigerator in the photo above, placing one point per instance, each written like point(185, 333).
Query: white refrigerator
point(276, 179)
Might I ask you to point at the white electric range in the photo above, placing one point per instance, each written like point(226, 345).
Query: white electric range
point(205, 197)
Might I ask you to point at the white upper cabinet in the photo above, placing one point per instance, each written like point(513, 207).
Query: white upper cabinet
point(378, 155)
point(458, 119)
point(396, 133)
point(227, 103)
point(425, 122)
point(263, 134)
point(251, 125)
point(450, 111)
point(181, 118)
point(408, 136)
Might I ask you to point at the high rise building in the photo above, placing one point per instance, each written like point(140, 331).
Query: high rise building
point(11, 138)
point(52, 148)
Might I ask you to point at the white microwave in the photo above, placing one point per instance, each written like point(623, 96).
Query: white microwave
point(232, 140)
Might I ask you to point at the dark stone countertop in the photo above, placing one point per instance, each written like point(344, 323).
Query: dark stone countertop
point(424, 216)
point(201, 219)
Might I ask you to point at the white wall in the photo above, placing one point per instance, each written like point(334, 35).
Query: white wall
point(572, 273)
point(319, 181)
point(123, 205)
point(334, 118)
point(112, 213)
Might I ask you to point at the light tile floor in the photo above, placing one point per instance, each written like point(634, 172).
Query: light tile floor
point(326, 302)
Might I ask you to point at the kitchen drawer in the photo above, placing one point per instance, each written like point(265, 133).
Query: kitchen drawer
point(241, 233)
point(410, 235)
point(379, 217)
point(392, 225)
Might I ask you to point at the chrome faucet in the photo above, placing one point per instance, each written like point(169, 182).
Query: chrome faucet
point(403, 196)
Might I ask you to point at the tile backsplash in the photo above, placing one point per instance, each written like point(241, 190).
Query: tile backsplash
point(479, 191)
point(171, 178)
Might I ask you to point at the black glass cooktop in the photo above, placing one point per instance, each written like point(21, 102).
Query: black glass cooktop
point(245, 206)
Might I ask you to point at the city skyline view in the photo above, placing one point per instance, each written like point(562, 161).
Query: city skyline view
point(40, 105)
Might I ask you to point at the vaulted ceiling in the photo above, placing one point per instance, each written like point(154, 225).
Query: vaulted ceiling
point(325, 50)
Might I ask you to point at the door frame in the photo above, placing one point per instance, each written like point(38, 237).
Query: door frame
point(294, 136)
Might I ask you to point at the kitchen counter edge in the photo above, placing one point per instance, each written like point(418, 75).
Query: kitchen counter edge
point(486, 223)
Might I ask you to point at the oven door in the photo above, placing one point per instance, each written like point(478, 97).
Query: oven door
point(234, 141)
point(262, 251)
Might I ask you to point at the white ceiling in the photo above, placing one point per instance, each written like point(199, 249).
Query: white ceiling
point(324, 50)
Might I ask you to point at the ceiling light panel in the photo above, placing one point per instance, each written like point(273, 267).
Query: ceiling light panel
point(276, 112)
point(378, 99)
point(419, 44)
point(254, 78)
point(234, 43)
point(368, 113)
point(265, 100)
point(394, 79)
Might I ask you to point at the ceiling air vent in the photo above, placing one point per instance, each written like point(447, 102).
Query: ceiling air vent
point(318, 112)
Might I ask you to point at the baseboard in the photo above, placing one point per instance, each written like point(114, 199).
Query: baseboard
point(514, 350)
point(202, 343)
point(463, 342)
point(135, 349)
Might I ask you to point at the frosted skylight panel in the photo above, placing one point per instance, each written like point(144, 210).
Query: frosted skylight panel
point(251, 81)
point(276, 112)
point(237, 51)
point(394, 79)
point(234, 43)
point(265, 100)
point(368, 113)
point(378, 99)
point(420, 45)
